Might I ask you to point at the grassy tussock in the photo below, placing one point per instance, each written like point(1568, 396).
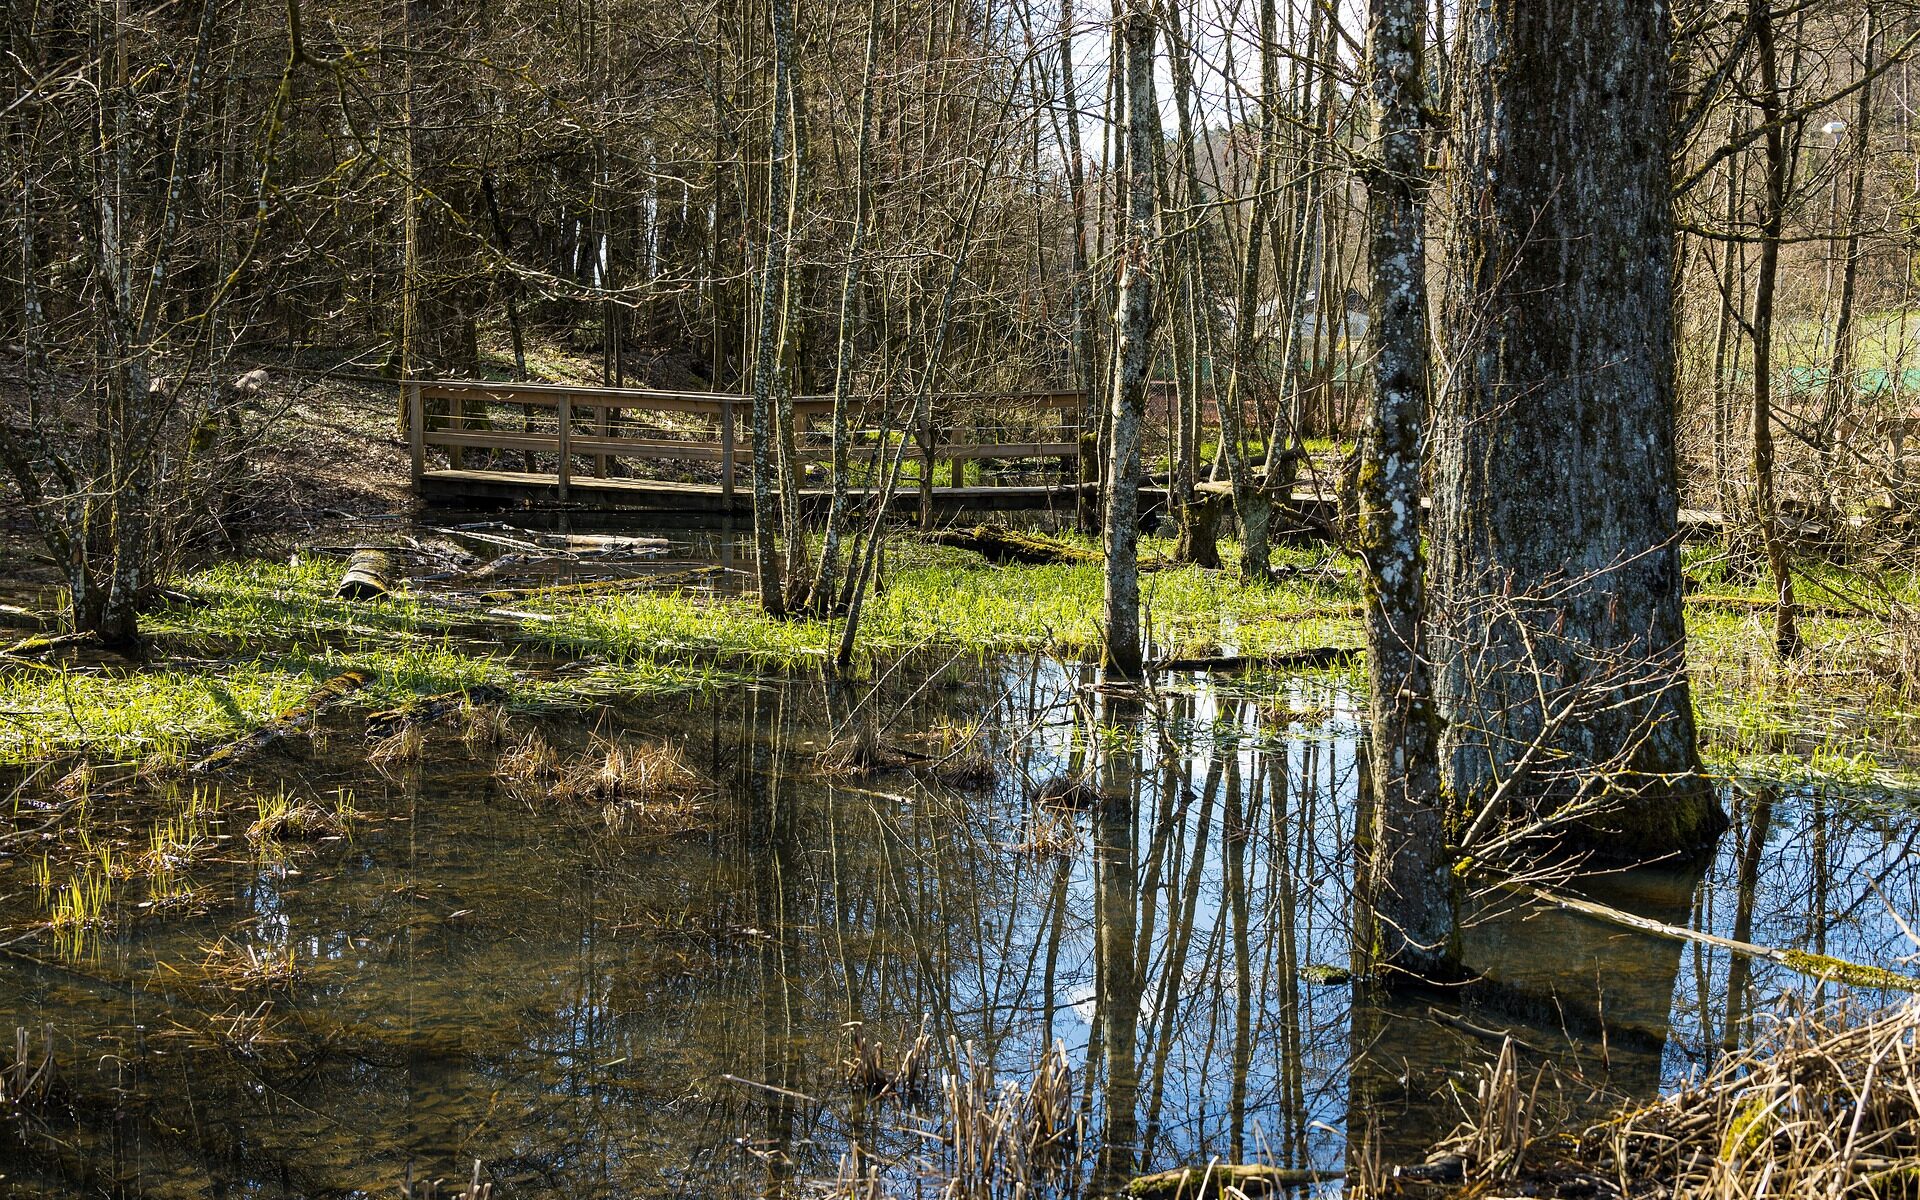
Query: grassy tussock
point(227, 967)
point(640, 787)
point(1826, 1105)
point(285, 818)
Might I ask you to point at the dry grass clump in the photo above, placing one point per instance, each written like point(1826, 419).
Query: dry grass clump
point(530, 770)
point(483, 726)
point(986, 1139)
point(285, 818)
point(231, 968)
point(631, 772)
point(1492, 1145)
point(1003, 1139)
point(76, 784)
point(1824, 1106)
point(866, 1068)
point(642, 787)
point(27, 1075)
point(1051, 833)
point(855, 752)
point(969, 768)
point(403, 745)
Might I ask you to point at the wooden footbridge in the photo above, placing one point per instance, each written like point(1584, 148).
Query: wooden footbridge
point(687, 452)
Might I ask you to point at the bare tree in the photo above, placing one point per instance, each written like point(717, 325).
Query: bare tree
point(1134, 342)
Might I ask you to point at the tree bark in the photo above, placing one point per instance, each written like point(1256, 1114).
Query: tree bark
point(825, 580)
point(1777, 185)
point(1134, 317)
point(766, 354)
point(1408, 883)
point(1248, 502)
point(1556, 571)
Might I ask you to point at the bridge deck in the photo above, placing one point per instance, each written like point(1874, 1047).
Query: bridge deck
point(661, 495)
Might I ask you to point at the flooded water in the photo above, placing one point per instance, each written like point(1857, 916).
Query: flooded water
point(1160, 885)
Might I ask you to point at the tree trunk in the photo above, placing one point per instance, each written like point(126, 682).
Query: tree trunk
point(1408, 883)
point(820, 603)
point(1556, 572)
point(1248, 502)
point(1841, 392)
point(1134, 316)
point(1777, 186)
point(766, 352)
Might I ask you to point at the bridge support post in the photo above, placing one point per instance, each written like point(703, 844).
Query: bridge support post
point(416, 434)
point(564, 440)
point(726, 452)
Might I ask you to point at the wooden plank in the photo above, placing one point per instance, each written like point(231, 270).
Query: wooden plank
point(548, 394)
point(550, 444)
point(669, 448)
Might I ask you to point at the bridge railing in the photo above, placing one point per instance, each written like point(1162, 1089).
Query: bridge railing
point(556, 430)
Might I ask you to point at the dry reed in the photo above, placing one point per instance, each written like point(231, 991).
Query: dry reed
point(1825, 1105)
point(26, 1076)
point(643, 787)
point(227, 967)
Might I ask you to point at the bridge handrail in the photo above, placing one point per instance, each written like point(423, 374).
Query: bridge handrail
point(724, 445)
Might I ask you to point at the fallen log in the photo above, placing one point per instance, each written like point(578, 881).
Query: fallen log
point(1215, 1180)
point(1819, 966)
point(288, 723)
point(999, 544)
point(46, 643)
point(1319, 656)
point(366, 577)
point(12, 616)
point(425, 710)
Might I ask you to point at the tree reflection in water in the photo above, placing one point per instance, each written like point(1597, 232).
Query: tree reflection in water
point(1161, 882)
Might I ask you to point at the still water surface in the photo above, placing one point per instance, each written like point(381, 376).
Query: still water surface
point(592, 1011)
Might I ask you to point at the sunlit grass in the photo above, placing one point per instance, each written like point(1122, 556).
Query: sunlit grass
point(949, 601)
point(46, 712)
point(272, 632)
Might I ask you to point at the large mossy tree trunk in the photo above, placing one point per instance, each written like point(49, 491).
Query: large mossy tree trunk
point(1556, 571)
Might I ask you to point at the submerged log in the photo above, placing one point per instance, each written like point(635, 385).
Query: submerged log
point(999, 544)
point(1225, 1179)
point(287, 724)
point(366, 577)
point(14, 617)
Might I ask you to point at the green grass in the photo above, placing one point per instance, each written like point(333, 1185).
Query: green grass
point(947, 600)
point(259, 636)
point(134, 714)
